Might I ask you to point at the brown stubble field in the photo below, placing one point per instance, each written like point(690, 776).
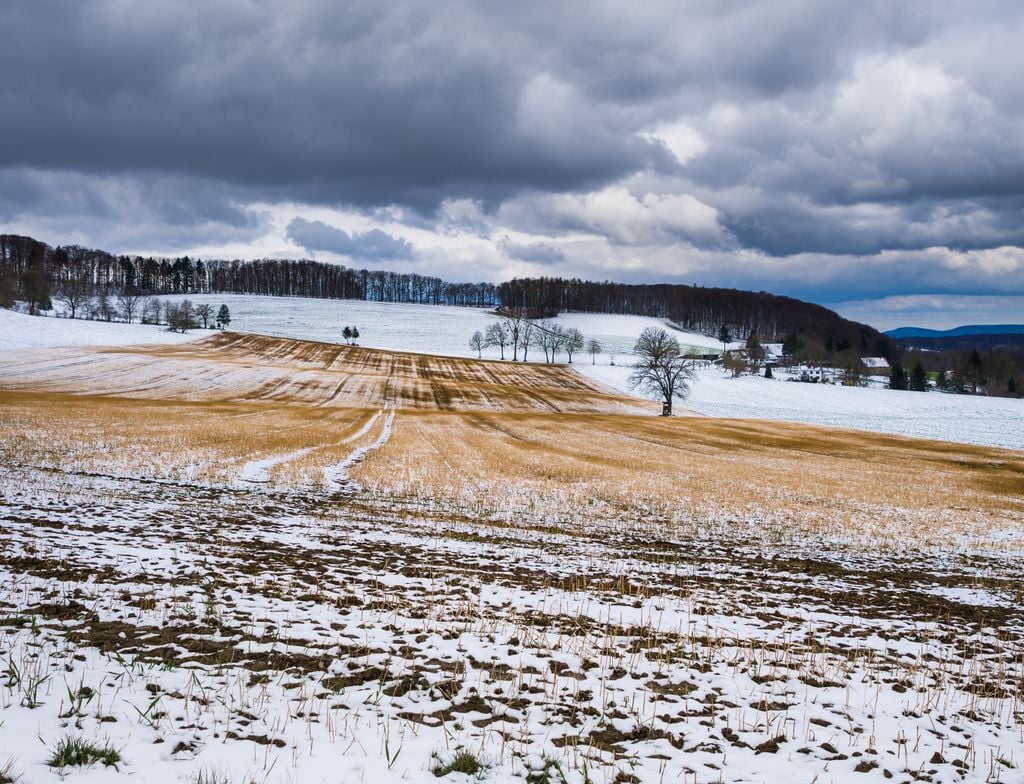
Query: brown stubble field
point(288, 550)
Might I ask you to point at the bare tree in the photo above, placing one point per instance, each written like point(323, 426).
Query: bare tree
point(496, 335)
point(74, 294)
point(101, 307)
point(128, 303)
point(573, 341)
point(151, 310)
point(661, 368)
point(527, 336)
point(181, 317)
point(204, 313)
point(594, 348)
point(549, 336)
point(477, 343)
point(513, 324)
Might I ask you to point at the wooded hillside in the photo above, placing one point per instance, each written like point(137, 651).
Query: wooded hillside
point(698, 309)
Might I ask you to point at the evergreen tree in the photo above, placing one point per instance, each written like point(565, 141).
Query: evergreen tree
point(897, 377)
point(223, 317)
point(768, 371)
point(347, 334)
point(8, 292)
point(37, 291)
point(975, 371)
point(355, 334)
point(790, 346)
point(918, 378)
point(724, 336)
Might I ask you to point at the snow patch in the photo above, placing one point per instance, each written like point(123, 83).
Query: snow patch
point(21, 331)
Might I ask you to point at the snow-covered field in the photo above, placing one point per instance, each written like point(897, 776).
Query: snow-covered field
point(764, 608)
point(966, 419)
point(426, 329)
point(21, 331)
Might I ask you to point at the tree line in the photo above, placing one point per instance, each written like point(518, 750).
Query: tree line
point(518, 333)
point(30, 269)
point(996, 371)
point(697, 309)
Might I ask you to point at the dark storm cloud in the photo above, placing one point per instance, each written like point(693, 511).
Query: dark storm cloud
point(122, 213)
point(372, 245)
point(832, 128)
point(331, 102)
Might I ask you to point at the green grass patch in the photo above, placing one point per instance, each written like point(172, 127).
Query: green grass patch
point(78, 751)
point(463, 762)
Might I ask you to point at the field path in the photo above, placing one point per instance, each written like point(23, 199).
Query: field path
point(336, 475)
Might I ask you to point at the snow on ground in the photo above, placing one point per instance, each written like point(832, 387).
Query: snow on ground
point(426, 329)
point(21, 331)
point(214, 635)
point(617, 333)
point(988, 421)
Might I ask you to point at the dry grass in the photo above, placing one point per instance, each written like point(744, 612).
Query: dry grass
point(231, 367)
point(789, 479)
point(179, 440)
point(532, 443)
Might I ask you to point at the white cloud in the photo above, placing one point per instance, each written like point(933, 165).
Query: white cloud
point(682, 139)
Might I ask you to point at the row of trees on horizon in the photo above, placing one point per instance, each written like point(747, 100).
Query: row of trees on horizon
point(26, 263)
point(692, 308)
point(36, 273)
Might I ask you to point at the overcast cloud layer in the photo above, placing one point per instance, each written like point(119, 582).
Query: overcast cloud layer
point(829, 150)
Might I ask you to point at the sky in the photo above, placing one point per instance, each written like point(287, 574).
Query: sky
point(866, 155)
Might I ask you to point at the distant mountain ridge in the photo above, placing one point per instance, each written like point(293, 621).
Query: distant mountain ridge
point(902, 333)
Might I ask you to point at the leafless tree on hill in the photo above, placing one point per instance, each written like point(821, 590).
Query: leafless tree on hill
point(661, 368)
point(74, 294)
point(129, 302)
point(496, 335)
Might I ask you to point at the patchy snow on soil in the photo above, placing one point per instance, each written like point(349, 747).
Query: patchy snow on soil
point(967, 419)
point(21, 331)
point(214, 635)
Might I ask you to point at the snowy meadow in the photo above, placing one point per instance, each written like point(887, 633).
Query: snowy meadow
point(231, 558)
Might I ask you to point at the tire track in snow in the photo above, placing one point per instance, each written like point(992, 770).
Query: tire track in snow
point(336, 476)
point(257, 472)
